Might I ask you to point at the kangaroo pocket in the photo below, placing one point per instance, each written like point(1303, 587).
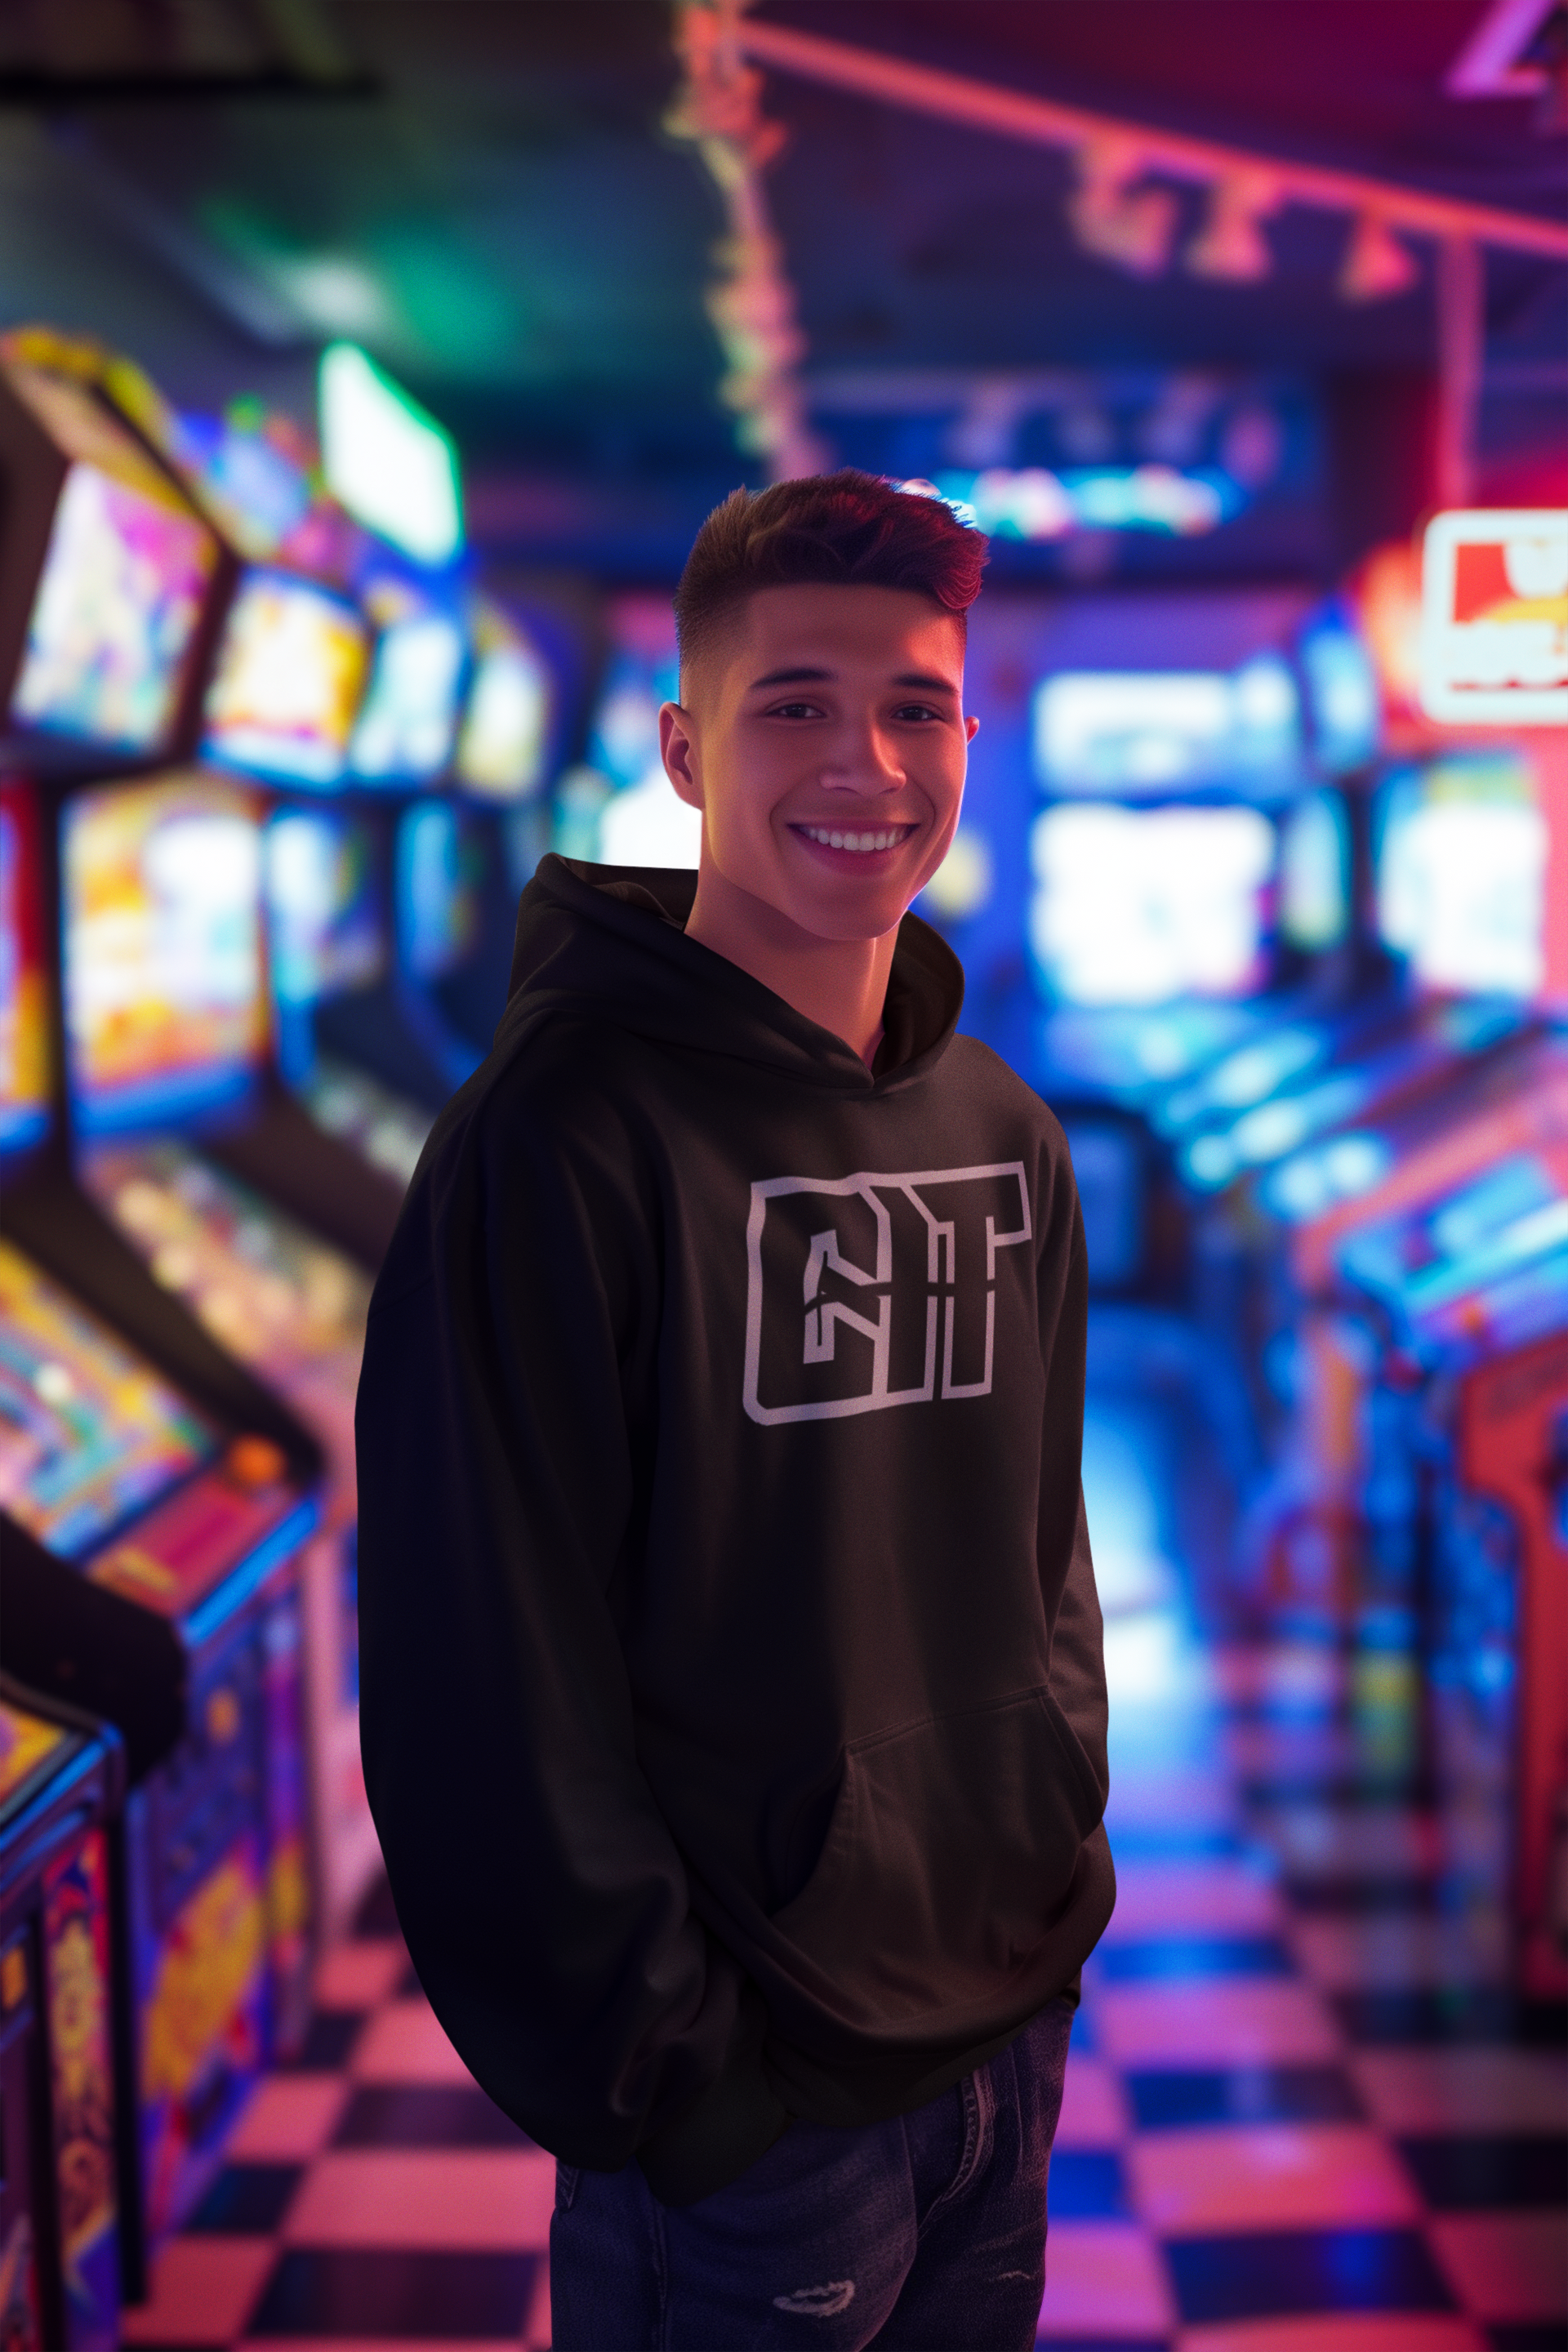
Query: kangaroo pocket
point(949, 1853)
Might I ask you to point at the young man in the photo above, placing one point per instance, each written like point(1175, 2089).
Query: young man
point(734, 1704)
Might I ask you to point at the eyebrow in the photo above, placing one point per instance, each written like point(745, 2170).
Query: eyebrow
point(916, 679)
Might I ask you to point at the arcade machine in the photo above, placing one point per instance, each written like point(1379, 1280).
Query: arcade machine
point(1513, 1451)
point(164, 881)
point(1175, 817)
point(1506, 1108)
point(110, 609)
point(1465, 1303)
point(1335, 991)
point(291, 677)
point(448, 801)
point(521, 711)
point(61, 1783)
point(153, 1499)
point(164, 998)
point(1458, 870)
point(392, 883)
point(427, 744)
point(1458, 851)
point(1460, 885)
point(294, 657)
point(167, 1025)
point(401, 748)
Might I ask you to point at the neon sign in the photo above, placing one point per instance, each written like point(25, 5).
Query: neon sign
point(1494, 617)
point(1032, 502)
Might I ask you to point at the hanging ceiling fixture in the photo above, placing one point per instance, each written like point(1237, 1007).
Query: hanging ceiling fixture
point(1231, 244)
point(1114, 219)
point(1375, 265)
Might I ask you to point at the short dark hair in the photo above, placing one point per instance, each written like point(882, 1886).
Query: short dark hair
point(844, 529)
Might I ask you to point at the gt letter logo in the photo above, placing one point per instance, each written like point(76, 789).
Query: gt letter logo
point(869, 1291)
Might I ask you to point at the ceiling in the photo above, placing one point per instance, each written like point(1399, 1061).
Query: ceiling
point(480, 191)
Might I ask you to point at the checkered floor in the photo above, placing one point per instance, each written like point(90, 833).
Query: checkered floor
point(1302, 2112)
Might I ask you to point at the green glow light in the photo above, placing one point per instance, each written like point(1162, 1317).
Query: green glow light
point(386, 459)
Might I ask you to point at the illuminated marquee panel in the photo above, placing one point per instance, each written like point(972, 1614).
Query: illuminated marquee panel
point(1494, 617)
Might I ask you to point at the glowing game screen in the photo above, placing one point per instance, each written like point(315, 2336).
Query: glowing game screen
point(290, 675)
point(125, 578)
point(166, 1007)
point(266, 1289)
point(1461, 850)
point(24, 1033)
point(28, 1744)
point(642, 822)
point(1343, 703)
point(437, 910)
point(505, 740)
point(1140, 906)
point(88, 1431)
point(406, 728)
point(1157, 732)
point(326, 928)
point(1315, 873)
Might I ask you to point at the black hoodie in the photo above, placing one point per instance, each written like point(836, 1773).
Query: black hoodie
point(733, 1710)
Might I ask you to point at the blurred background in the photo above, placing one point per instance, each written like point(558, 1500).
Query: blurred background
point(367, 368)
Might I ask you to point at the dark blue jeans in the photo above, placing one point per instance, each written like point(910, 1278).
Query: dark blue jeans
point(925, 2234)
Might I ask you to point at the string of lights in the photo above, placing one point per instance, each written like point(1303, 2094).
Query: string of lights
point(753, 304)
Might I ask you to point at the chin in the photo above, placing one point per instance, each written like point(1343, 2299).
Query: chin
point(842, 924)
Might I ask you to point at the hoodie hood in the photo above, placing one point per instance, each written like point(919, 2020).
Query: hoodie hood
point(609, 942)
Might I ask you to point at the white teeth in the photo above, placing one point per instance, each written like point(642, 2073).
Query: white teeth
point(860, 842)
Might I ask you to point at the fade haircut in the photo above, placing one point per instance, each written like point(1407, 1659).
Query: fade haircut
point(833, 530)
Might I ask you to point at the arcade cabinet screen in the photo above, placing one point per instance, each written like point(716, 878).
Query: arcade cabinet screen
point(505, 740)
point(643, 822)
point(24, 1032)
point(1158, 731)
point(1461, 849)
point(165, 1009)
point(405, 731)
point(1315, 873)
point(437, 913)
point(289, 674)
point(1344, 704)
point(88, 1431)
point(124, 581)
point(326, 931)
point(1138, 906)
point(26, 1744)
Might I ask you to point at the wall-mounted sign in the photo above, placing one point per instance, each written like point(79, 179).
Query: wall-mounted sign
point(1494, 617)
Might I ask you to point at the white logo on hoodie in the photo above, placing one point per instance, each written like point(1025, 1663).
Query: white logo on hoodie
point(904, 1255)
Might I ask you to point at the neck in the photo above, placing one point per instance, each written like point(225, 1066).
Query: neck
point(841, 985)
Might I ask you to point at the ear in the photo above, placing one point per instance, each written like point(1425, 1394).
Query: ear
point(679, 749)
point(971, 729)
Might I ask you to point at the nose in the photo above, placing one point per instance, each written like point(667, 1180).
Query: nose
point(865, 759)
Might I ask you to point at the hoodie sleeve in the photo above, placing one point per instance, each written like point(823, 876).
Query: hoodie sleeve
point(1065, 1562)
point(544, 1901)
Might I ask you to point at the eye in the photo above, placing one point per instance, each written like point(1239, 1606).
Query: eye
point(795, 711)
point(917, 712)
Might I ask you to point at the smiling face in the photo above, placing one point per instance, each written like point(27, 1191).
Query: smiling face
point(823, 739)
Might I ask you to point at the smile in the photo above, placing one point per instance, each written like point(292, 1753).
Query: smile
point(887, 836)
